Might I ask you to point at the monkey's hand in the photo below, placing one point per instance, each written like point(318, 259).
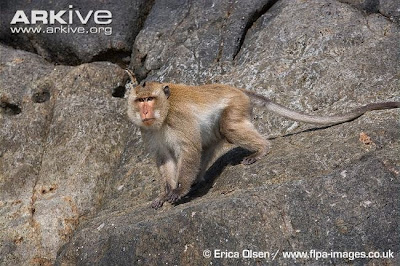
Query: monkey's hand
point(157, 203)
point(174, 195)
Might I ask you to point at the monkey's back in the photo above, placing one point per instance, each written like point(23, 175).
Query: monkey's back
point(211, 95)
point(201, 107)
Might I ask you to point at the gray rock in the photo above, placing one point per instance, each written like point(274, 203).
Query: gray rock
point(22, 137)
point(202, 34)
point(332, 212)
point(388, 8)
point(57, 151)
point(111, 42)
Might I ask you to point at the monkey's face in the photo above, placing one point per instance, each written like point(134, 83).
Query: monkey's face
point(148, 104)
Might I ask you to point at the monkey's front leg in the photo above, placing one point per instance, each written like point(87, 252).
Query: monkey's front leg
point(188, 168)
point(159, 201)
point(167, 169)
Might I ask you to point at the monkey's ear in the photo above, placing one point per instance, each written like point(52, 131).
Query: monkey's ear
point(131, 76)
point(167, 91)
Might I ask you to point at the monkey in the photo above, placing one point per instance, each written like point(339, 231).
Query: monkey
point(186, 125)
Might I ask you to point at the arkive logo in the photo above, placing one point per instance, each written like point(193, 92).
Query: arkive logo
point(51, 17)
point(61, 22)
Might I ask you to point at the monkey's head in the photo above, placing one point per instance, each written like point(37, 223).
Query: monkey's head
point(148, 104)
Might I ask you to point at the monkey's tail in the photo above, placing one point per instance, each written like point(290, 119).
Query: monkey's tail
point(321, 120)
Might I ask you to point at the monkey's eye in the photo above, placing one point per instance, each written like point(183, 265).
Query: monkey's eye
point(149, 99)
point(141, 100)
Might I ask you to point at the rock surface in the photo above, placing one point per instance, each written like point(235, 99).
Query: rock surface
point(388, 8)
point(332, 212)
point(56, 152)
point(76, 182)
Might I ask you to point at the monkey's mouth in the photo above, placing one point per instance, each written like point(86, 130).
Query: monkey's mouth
point(148, 121)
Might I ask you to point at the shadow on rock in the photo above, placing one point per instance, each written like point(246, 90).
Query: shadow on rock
point(232, 157)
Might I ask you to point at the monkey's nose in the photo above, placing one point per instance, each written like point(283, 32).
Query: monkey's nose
point(145, 110)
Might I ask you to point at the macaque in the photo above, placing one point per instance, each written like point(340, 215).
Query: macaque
point(184, 126)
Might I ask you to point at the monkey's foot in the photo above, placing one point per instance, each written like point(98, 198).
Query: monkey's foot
point(249, 160)
point(174, 196)
point(157, 203)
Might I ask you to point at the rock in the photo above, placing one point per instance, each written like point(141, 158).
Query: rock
point(22, 135)
point(388, 8)
point(108, 42)
point(332, 212)
point(202, 34)
point(56, 152)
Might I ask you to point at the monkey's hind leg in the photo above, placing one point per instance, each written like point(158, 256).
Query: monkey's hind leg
point(237, 129)
point(208, 156)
